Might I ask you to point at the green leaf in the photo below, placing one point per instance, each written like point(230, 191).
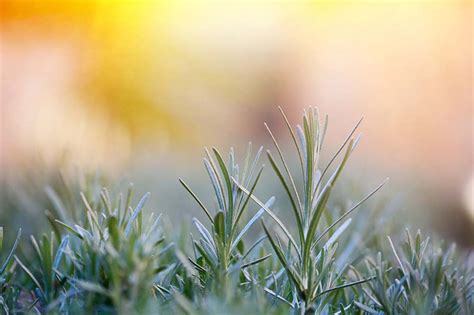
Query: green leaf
point(281, 256)
point(114, 231)
point(279, 297)
point(12, 250)
point(60, 252)
point(309, 164)
point(256, 261)
point(207, 212)
point(37, 248)
point(70, 229)
point(241, 247)
point(207, 254)
point(91, 215)
point(135, 213)
point(1, 241)
point(321, 204)
point(204, 232)
point(247, 162)
point(345, 286)
point(294, 207)
point(252, 221)
point(329, 228)
point(285, 165)
point(396, 256)
point(216, 181)
point(30, 274)
point(254, 166)
point(225, 173)
point(272, 215)
point(254, 245)
point(293, 137)
point(348, 138)
point(219, 225)
point(247, 199)
point(337, 233)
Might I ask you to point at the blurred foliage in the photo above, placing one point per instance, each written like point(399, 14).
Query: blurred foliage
point(105, 254)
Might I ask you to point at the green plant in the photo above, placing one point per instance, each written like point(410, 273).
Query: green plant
point(106, 257)
point(49, 284)
point(220, 251)
point(308, 262)
point(423, 279)
point(8, 293)
point(117, 256)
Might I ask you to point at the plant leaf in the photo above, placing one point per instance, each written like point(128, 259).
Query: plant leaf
point(256, 261)
point(135, 213)
point(60, 252)
point(251, 222)
point(204, 232)
point(219, 225)
point(12, 250)
point(272, 215)
point(294, 207)
point(203, 207)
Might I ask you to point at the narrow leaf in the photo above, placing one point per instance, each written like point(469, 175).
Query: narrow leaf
point(12, 250)
point(294, 207)
point(60, 252)
point(256, 261)
point(219, 225)
point(135, 213)
point(30, 274)
point(251, 222)
point(272, 215)
point(203, 207)
point(204, 232)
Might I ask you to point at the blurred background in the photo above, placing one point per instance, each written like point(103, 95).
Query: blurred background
point(132, 90)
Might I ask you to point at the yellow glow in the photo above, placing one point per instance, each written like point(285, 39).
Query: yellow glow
point(157, 70)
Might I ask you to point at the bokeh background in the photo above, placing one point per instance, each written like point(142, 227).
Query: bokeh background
point(133, 90)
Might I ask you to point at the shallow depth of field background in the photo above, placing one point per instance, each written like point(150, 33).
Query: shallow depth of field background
point(134, 90)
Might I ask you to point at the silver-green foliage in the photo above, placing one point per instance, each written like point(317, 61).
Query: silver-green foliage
point(220, 250)
point(116, 257)
point(8, 293)
point(421, 278)
point(106, 256)
point(309, 258)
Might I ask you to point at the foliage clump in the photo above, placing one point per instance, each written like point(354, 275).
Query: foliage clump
point(106, 255)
